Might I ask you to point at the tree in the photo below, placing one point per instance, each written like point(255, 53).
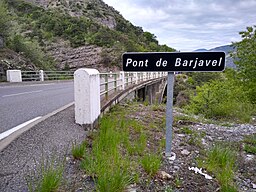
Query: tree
point(150, 37)
point(4, 20)
point(245, 59)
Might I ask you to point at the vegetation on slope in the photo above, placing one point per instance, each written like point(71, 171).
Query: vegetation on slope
point(33, 28)
point(229, 95)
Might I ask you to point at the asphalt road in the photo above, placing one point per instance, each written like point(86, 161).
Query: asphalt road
point(22, 102)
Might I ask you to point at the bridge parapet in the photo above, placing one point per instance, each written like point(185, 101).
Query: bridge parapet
point(110, 88)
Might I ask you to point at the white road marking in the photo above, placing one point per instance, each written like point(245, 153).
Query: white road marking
point(40, 84)
point(23, 93)
point(24, 85)
point(10, 131)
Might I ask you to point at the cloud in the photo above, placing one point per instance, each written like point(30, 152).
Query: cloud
point(190, 24)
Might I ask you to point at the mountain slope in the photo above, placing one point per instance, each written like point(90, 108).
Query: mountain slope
point(76, 33)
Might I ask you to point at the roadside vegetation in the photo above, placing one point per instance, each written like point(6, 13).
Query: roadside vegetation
point(47, 175)
point(226, 96)
point(119, 153)
point(220, 160)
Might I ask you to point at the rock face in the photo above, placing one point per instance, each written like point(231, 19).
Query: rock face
point(67, 57)
point(85, 56)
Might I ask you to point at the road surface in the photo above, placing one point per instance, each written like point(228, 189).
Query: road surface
point(20, 103)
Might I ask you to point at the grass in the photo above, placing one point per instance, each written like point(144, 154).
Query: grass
point(151, 163)
point(250, 143)
point(105, 162)
point(185, 130)
point(47, 177)
point(78, 151)
point(117, 157)
point(220, 160)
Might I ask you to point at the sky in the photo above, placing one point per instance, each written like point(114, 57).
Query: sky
point(187, 25)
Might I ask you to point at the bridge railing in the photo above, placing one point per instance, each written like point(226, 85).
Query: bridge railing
point(112, 82)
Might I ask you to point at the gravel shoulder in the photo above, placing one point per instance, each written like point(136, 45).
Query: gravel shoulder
point(51, 138)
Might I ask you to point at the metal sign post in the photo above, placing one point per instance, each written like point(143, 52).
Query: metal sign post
point(169, 115)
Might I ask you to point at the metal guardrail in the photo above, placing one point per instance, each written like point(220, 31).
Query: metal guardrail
point(46, 75)
point(58, 75)
point(30, 75)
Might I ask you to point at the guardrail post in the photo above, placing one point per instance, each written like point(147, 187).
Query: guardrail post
point(87, 96)
point(41, 75)
point(122, 78)
point(14, 76)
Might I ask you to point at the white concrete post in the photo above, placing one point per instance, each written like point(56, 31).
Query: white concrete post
point(136, 77)
point(14, 76)
point(87, 95)
point(122, 78)
point(41, 75)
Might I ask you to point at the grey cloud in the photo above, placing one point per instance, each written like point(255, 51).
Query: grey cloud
point(195, 22)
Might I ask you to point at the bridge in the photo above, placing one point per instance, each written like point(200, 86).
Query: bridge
point(94, 93)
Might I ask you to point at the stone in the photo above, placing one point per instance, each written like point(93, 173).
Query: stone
point(185, 152)
point(163, 175)
point(131, 188)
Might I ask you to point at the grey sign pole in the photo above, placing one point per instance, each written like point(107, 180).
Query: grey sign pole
point(169, 115)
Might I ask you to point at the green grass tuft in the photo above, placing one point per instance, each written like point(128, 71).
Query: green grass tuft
point(221, 162)
point(46, 178)
point(78, 151)
point(250, 143)
point(151, 163)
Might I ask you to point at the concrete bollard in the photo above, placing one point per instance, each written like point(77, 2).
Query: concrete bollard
point(41, 75)
point(87, 96)
point(14, 76)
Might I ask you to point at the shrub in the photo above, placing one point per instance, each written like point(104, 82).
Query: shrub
point(221, 99)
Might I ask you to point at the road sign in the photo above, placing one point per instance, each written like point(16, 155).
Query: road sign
point(174, 61)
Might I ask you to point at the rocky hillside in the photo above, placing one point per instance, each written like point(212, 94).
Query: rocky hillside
point(65, 34)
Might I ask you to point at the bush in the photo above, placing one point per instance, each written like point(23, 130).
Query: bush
point(31, 50)
point(221, 99)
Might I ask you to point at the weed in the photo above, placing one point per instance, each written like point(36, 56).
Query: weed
point(221, 162)
point(178, 181)
point(105, 162)
point(78, 150)
point(250, 143)
point(151, 163)
point(162, 143)
point(185, 130)
point(46, 178)
point(168, 189)
point(158, 108)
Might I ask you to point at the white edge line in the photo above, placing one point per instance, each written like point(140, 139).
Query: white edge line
point(9, 132)
point(23, 93)
point(7, 140)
